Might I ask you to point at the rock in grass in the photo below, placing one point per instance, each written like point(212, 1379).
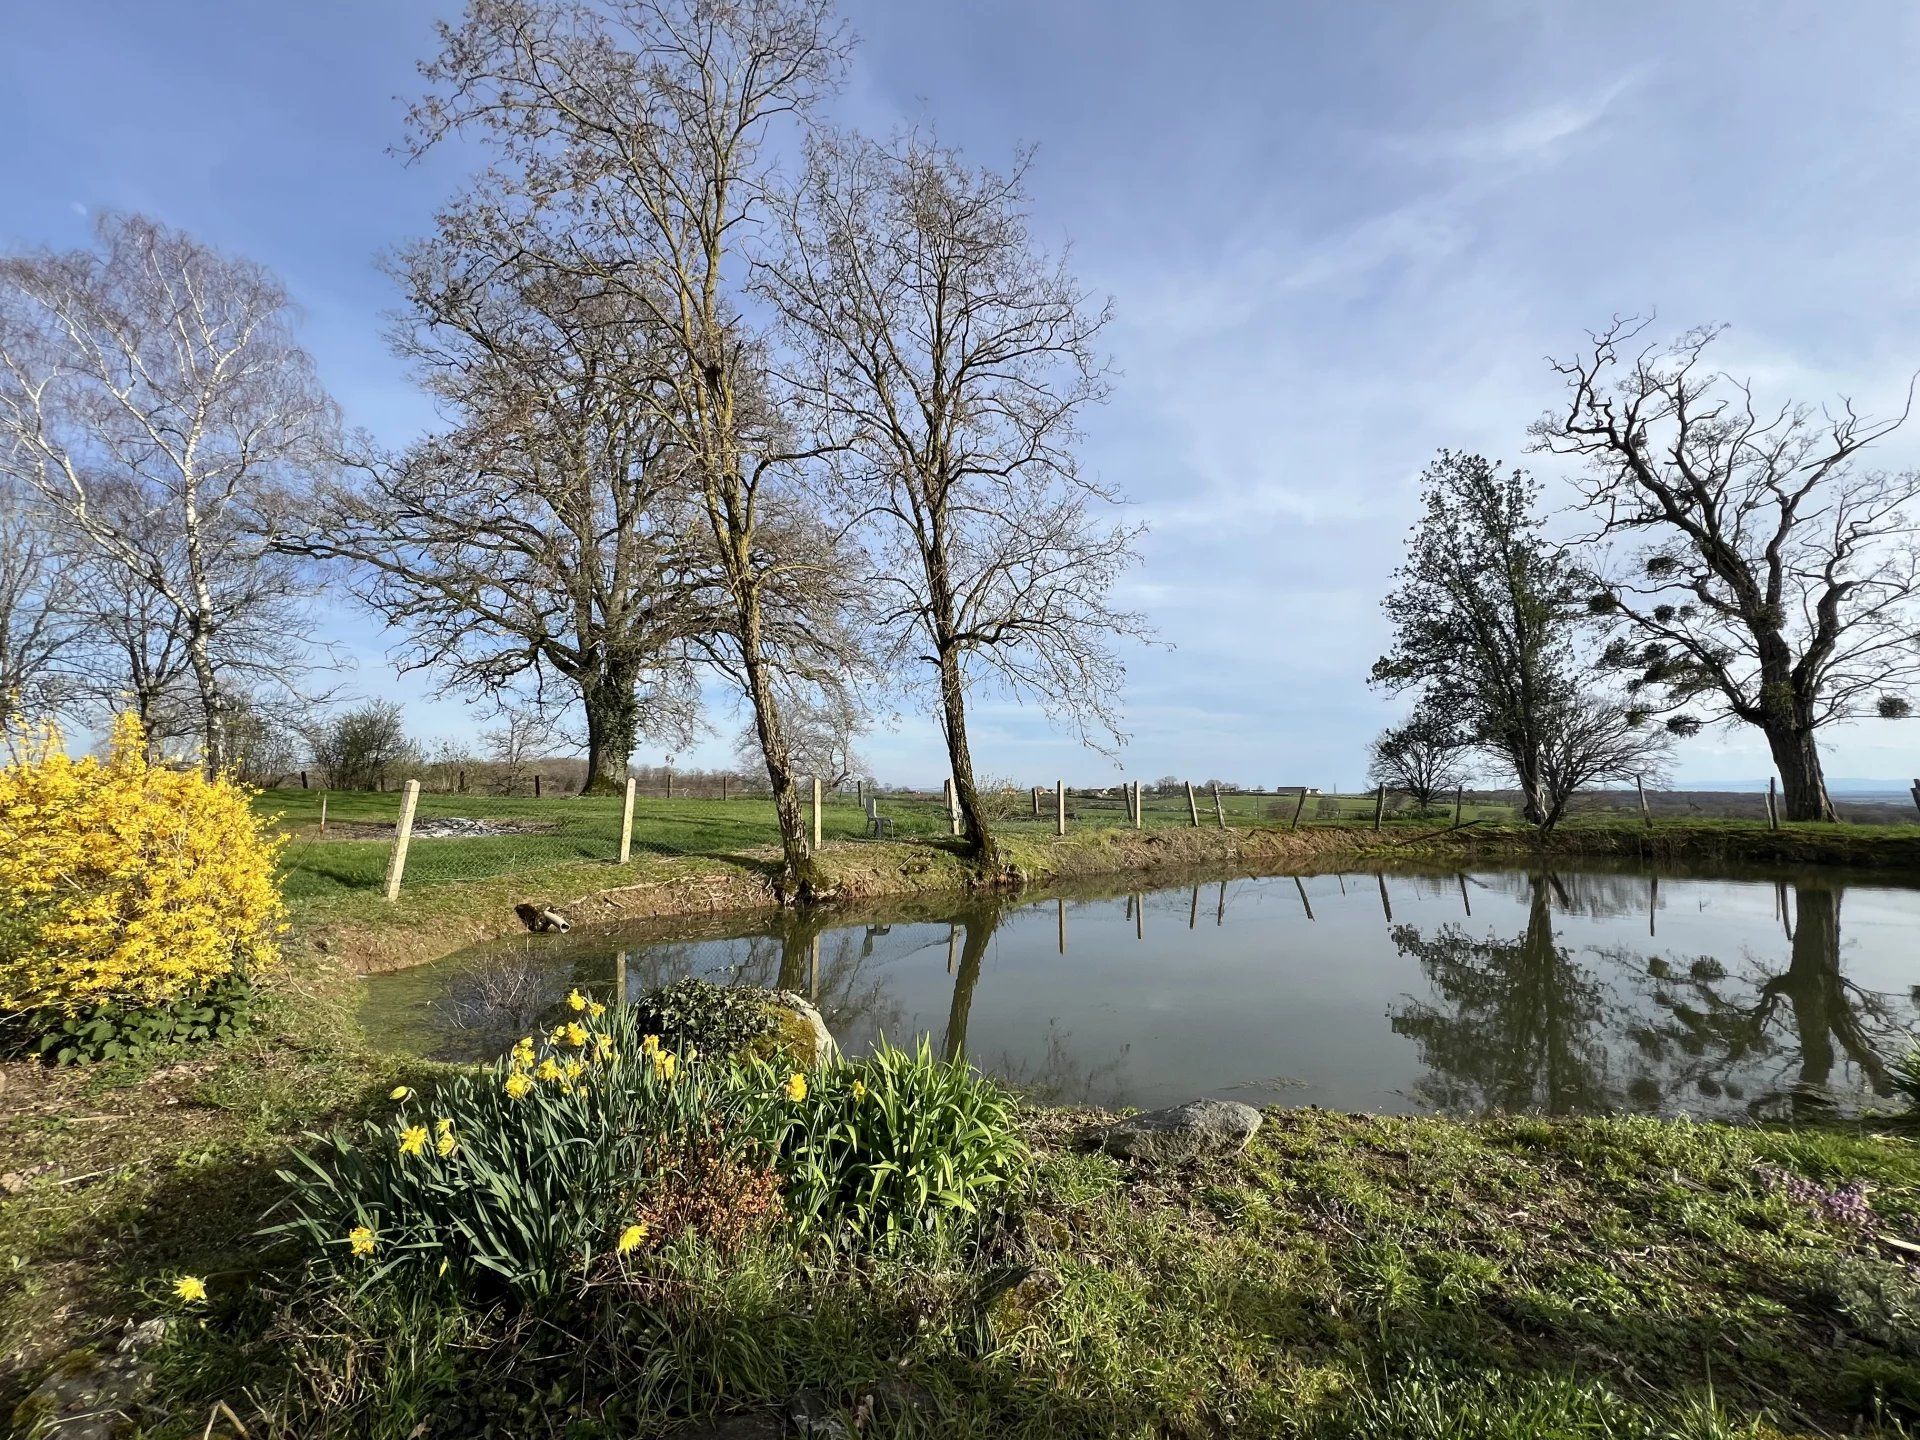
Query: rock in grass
point(804, 1027)
point(1185, 1132)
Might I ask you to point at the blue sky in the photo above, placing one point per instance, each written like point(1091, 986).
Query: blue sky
point(1337, 237)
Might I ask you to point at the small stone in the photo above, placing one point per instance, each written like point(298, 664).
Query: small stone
point(1184, 1132)
point(811, 1414)
point(823, 1047)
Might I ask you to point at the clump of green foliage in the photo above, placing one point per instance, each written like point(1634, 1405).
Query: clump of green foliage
point(219, 1011)
point(713, 1019)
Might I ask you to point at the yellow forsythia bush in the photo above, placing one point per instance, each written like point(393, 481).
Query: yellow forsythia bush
point(126, 883)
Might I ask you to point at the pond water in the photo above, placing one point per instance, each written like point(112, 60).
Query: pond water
point(1572, 991)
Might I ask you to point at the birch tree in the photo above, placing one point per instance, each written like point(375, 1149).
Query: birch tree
point(956, 357)
point(636, 131)
point(153, 396)
point(1766, 576)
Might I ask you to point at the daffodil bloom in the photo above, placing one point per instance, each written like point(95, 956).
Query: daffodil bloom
point(399, 1092)
point(190, 1288)
point(796, 1086)
point(630, 1238)
point(649, 1044)
point(576, 1034)
point(360, 1240)
point(859, 1090)
point(574, 1070)
point(604, 1044)
point(518, 1086)
point(665, 1062)
point(576, 1002)
point(595, 1010)
point(556, 1035)
point(442, 1125)
point(413, 1140)
point(549, 1069)
point(446, 1144)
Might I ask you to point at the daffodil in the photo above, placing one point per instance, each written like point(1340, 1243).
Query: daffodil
point(576, 1034)
point(631, 1238)
point(595, 1010)
point(576, 1002)
point(360, 1240)
point(517, 1086)
point(413, 1140)
point(399, 1092)
point(604, 1045)
point(446, 1144)
point(665, 1062)
point(549, 1069)
point(649, 1044)
point(859, 1090)
point(796, 1088)
point(190, 1288)
point(573, 1070)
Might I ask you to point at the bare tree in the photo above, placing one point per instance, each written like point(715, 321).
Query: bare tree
point(523, 736)
point(151, 391)
point(365, 747)
point(956, 357)
point(1767, 577)
point(1595, 739)
point(1426, 756)
point(635, 129)
point(132, 656)
point(542, 538)
point(39, 612)
point(824, 726)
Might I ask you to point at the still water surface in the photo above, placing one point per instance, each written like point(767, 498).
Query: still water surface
point(1575, 991)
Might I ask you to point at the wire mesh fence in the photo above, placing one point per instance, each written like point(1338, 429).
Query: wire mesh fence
point(344, 841)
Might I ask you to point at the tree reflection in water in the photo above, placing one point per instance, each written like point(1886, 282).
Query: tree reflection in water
point(1524, 1024)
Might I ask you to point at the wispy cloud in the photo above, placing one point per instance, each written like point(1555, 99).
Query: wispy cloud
point(1539, 132)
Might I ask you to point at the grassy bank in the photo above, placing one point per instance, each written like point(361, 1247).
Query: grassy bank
point(1345, 1276)
point(361, 928)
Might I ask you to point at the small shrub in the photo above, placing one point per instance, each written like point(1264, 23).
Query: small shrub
point(221, 1011)
point(894, 1146)
point(125, 884)
point(713, 1019)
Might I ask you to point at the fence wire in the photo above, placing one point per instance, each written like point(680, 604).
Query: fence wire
point(342, 841)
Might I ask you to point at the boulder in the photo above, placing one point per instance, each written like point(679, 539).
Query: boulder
point(1184, 1132)
point(808, 1022)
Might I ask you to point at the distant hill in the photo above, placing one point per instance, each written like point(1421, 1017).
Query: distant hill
point(1835, 786)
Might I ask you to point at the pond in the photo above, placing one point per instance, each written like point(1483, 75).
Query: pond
point(1577, 990)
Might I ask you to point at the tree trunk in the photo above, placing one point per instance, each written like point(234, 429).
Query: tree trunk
point(612, 724)
point(973, 950)
point(981, 845)
point(800, 874)
point(1796, 754)
point(213, 722)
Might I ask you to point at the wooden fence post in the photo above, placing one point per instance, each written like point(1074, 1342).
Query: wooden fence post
point(1059, 807)
point(323, 812)
point(816, 811)
point(1640, 788)
point(1299, 808)
point(1379, 806)
point(1139, 807)
point(1916, 793)
point(953, 807)
point(620, 981)
point(1459, 794)
point(1193, 810)
point(669, 782)
point(303, 779)
point(723, 785)
point(463, 780)
point(1036, 802)
point(1773, 810)
point(1218, 814)
point(402, 834)
point(626, 823)
point(536, 784)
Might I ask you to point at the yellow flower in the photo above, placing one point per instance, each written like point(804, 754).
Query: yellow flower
point(190, 1288)
point(649, 1044)
point(446, 1144)
point(595, 1010)
point(859, 1090)
point(603, 1044)
point(549, 1070)
point(443, 1125)
point(360, 1240)
point(576, 1001)
point(796, 1086)
point(576, 1034)
point(413, 1140)
point(665, 1062)
point(631, 1237)
point(556, 1035)
point(518, 1086)
point(399, 1092)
